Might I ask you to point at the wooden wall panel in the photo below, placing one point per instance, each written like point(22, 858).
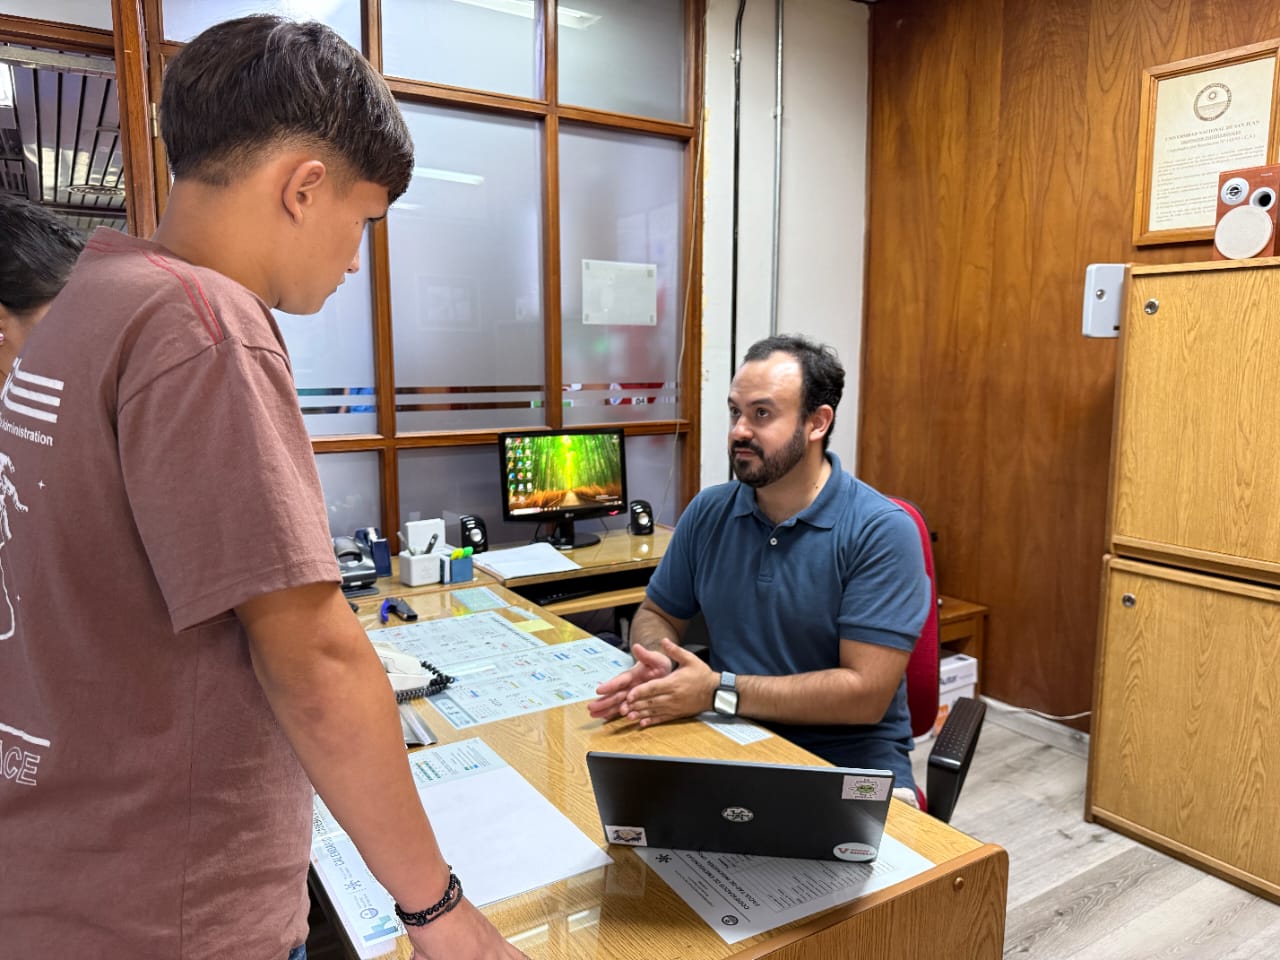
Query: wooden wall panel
point(1003, 151)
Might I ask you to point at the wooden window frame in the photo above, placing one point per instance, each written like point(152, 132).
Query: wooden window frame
point(140, 52)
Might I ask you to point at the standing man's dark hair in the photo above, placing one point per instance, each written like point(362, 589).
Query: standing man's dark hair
point(250, 84)
point(822, 371)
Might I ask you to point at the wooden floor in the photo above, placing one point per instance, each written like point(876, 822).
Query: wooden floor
point(1078, 891)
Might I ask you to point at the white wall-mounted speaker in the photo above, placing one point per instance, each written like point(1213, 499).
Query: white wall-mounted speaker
point(1103, 291)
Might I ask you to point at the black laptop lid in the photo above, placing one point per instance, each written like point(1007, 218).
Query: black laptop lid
point(774, 810)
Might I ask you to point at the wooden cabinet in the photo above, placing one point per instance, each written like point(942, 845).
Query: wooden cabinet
point(1196, 456)
point(1185, 748)
point(1188, 738)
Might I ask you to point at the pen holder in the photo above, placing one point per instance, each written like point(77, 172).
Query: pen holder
point(459, 571)
point(419, 569)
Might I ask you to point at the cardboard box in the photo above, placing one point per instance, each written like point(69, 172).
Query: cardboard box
point(957, 677)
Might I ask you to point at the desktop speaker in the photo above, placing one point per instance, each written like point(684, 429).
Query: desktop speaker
point(641, 522)
point(472, 533)
point(1246, 221)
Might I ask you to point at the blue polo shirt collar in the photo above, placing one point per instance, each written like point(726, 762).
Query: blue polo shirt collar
point(822, 513)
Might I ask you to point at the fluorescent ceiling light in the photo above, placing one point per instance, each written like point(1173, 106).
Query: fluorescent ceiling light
point(431, 173)
point(565, 16)
point(6, 86)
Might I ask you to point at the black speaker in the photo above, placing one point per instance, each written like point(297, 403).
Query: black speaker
point(472, 533)
point(641, 523)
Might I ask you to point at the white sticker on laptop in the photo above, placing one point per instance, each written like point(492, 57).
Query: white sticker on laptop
point(855, 852)
point(865, 788)
point(631, 836)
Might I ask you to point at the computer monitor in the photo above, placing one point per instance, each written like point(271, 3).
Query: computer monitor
point(559, 476)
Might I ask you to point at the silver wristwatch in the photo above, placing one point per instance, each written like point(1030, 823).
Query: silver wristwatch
point(726, 699)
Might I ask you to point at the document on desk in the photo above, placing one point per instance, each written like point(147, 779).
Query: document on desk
point(527, 561)
point(455, 640)
point(502, 837)
point(526, 681)
point(740, 896)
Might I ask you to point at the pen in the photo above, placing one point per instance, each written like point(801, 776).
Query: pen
point(432, 542)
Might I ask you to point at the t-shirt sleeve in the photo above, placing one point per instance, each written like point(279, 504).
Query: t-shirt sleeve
point(886, 594)
point(222, 482)
point(672, 585)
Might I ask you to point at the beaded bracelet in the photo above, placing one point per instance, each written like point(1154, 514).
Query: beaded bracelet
point(452, 897)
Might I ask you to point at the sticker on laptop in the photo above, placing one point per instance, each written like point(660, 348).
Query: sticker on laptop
point(854, 852)
point(865, 788)
point(631, 836)
point(737, 814)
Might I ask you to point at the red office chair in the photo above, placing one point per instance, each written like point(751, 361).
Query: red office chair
point(953, 750)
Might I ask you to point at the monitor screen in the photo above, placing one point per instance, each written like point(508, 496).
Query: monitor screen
point(555, 476)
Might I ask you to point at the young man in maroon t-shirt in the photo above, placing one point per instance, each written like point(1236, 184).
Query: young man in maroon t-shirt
point(182, 665)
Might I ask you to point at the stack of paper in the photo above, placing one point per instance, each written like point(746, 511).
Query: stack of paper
point(536, 558)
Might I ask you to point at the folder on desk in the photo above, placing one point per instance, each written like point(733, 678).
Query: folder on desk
point(528, 561)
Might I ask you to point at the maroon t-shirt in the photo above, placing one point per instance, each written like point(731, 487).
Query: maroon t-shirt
point(154, 473)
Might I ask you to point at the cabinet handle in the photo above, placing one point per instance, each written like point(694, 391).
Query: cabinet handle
point(1150, 307)
point(1129, 600)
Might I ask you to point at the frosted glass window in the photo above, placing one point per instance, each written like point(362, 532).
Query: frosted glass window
point(626, 56)
point(466, 274)
point(81, 13)
point(352, 491)
point(480, 44)
point(447, 482)
point(332, 357)
point(621, 197)
point(653, 474)
point(183, 19)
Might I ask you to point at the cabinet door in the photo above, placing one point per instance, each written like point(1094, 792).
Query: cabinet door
point(1197, 457)
point(1186, 741)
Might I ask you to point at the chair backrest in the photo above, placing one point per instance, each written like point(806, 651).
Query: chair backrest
point(922, 668)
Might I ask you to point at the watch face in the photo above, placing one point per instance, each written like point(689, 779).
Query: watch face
point(726, 702)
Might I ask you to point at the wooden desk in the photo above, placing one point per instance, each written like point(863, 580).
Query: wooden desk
point(962, 627)
point(614, 573)
point(626, 911)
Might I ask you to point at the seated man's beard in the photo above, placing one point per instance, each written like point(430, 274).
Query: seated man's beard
point(767, 469)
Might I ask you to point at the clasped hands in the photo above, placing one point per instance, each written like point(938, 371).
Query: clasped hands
point(654, 691)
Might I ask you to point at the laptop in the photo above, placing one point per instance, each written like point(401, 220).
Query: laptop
point(727, 806)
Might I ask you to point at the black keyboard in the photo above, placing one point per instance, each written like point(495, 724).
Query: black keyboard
point(558, 596)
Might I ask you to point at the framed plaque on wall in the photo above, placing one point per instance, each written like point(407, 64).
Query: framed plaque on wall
point(1199, 117)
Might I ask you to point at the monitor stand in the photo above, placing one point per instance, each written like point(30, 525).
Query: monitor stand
point(563, 536)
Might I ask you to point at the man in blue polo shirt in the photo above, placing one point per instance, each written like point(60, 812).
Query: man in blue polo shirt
point(812, 584)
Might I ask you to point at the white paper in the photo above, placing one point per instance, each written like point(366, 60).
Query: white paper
point(735, 728)
point(527, 681)
point(740, 896)
point(619, 293)
point(502, 837)
point(527, 561)
point(455, 640)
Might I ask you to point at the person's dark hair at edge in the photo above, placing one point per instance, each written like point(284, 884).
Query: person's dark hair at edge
point(260, 81)
point(823, 373)
point(41, 250)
